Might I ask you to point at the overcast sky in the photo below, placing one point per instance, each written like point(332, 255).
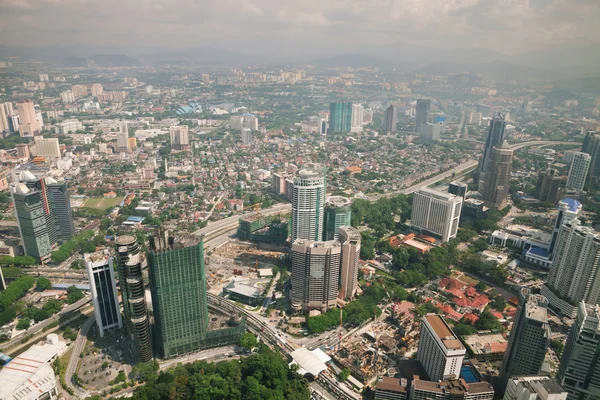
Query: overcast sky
point(304, 26)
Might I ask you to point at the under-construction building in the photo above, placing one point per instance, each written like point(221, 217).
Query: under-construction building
point(263, 228)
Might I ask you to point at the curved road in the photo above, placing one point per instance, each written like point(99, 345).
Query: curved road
point(78, 347)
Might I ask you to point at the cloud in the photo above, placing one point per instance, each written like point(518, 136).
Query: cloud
point(303, 26)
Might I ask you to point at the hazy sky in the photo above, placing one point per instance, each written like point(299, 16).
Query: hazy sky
point(305, 26)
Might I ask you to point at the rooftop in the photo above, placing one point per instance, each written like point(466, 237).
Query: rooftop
point(437, 193)
point(308, 361)
point(573, 204)
point(338, 201)
point(443, 332)
point(392, 384)
point(486, 343)
point(454, 387)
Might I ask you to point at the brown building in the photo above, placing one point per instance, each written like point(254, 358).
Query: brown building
point(549, 186)
point(494, 189)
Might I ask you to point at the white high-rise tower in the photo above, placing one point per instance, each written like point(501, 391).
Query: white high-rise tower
point(308, 204)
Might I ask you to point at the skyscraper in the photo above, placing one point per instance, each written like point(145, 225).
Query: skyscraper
point(390, 119)
point(122, 142)
point(340, 117)
point(180, 138)
point(575, 273)
point(337, 213)
point(101, 275)
point(129, 265)
point(458, 189)
point(494, 137)
point(315, 274)
point(429, 131)
point(568, 209)
point(422, 113)
point(528, 341)
point(4, 126)
point(579, 371)
point(440, 351)
point(548, 187)
point(33, 219)
point(357, 117)
point(30, 123)
point(178, 287)
point(578, 171)
point(246, 136)
point(350, 239)
point(436, 212)
point(308, 203)
point(591, 146)
point(45, 147)
point(534, 388)
point(495, 183)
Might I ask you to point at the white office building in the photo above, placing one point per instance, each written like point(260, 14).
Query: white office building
point(534, 388)
point(430, 131)
point(101, 274)
point(308, 205)
point(45, 147)
point(436, 212)
point(67, 97)
point(580, 165)
point(68, 126)
point(246, 136)
point(440, 351)
point(358, 112)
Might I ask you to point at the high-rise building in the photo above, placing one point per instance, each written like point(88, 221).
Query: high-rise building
point(390, 120)
point(534, 388)
point(578, 171)
point(101, 275)
point(591, 146)
point(453, 389)
point(33, 219)
point(495, 183)
point(575, 273)
point(308, 203)
point(529, 339)
point(350, 239)
point(43, 147)
point(123, 142)
point(579, 371)
point(30, 123)
point(422, 113)
point(337, 213)
point(59, 200)
point(494, 138)
point(458, 189)
point(4, 126)
point(475, 118)
point(23, 150)
point(180, 137)
point(568, 209)
point(340, 117)
point(67, 97)
point(440, 351)
point(39, 184)
point(135, 309)
point(96, 89)
point(79, 91)
point(548, 187)
point(357, 118)
point(436, 212)
point(315, 274)
point(246, 136)
point(178, 287)
point(429, 131)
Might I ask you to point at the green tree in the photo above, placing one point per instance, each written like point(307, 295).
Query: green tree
point(74, 294)
point(23, 323)
point(248, 341)
point(344, 375)
point(43, 283)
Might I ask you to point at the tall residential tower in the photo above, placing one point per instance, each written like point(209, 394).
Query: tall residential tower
point(101, 275)
point(308, 204)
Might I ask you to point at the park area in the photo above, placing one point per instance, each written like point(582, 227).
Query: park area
point(102, 203)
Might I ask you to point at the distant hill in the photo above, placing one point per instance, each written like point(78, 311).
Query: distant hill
point(354, 60)
point(500, 70)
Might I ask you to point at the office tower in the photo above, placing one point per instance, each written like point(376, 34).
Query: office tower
point(96, 89)
point(43, 77)
point(337, 213)
point(178, 287)
point(30, 124)
point(591, 146)
point(436, 212)
point(2, 281)
point(458, 189)
point(475, 118)
point(495, 183)
point(529, 339)
point(548, 187)
point(578, 171)
point(390, 119)
point(453, 389)
point(79, 91)
point(33, 220)
point(440, 351)
point(246, 136)
point(45, 147)
point(4, 126)
point(422, 113)
point(129, 266)
point(568, 209)
point(315, 274)
point(278, 183)
point(59, 200)
point(429, 131)
point(180, 138)
point(579, 370)
point(308, 202)
point(494, 138)
point(575, 273)
point(23, 150)
point(39, 184)
point(534, 388)
point(122, 142)
point(340, 117)
point(67, 97)
point(357, 118)
point(101, 275)
point(350, 239)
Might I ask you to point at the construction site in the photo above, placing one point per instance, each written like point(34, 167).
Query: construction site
point(264, 228)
